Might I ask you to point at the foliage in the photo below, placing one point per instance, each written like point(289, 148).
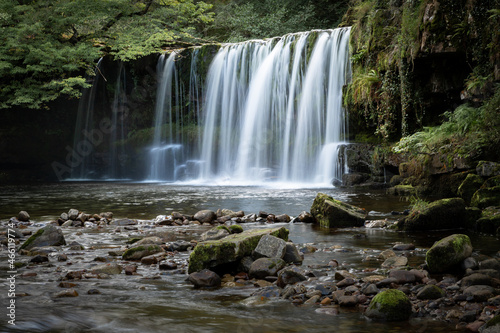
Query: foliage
point(242, 20)
point(468, 130)
point(388, 36)
point(46, 46)
point(417, 204)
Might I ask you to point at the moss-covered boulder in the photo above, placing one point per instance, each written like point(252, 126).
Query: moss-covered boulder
point(440, 214)
point(469, 186)
point(230, 249)
point(448, 253)
point(485, 197)
point(489, 221)
point(139, 252)
point(389, 305)
point(46, 236)
point(488, 168)
point(331, 213)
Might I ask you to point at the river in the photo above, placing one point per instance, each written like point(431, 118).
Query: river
point(155, 301)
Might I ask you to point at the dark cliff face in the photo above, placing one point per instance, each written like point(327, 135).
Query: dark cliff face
point(414, 60)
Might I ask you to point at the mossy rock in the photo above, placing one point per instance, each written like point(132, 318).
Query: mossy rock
point(402, 190)
point(430, 291)
point(46, 236)
point(389, 305)
point(488, 223)
point(230, 249)
point(331, 213)
point(440, 214)
point(485, 197)
point(448, 253)
point(236, 229)
point(139, 252)
point(491, 182)
point(488, 169)
point(469, 186)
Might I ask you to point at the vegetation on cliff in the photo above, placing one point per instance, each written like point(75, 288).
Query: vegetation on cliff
point(46, 46)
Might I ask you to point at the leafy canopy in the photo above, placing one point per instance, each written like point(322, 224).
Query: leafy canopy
point(47, 45)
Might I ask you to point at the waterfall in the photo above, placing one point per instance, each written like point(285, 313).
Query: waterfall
point(273, 110)
point(98, 152)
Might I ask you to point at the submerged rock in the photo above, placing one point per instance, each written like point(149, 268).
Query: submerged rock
point(46, 236)
point(440, 214)
point(331, 213)
point(390, 305)
point(139, 252)
point(229, 249)
point(448, 253)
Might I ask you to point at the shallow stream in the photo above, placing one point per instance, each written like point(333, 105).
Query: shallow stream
point(157, 301)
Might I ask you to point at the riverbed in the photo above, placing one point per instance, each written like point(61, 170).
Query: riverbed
point(154, 300)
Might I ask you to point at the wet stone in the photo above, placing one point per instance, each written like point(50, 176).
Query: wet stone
point(403, 247)
point(398, 261)
point(167, 265)
point(67, 293)
point(204, 279)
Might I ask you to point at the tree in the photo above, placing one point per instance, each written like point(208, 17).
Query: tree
point(46, 46)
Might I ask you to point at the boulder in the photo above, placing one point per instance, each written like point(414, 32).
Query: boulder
point(46, 236)
point(440, 214)
point(430, 291)
point(306, 217)
point(448, 253)
point(139, 252)
point(489, 221)
point(73, 214)
point(264, 267)
point(205, 216)
point(270, 247)
point(236, 229)
point(230, 249)
point(389, 305)
point(23, 216)
point(488, 169)
point(469, 186)
point(290, 275)
point(331, 213)
point(204, 279)
point(485, 197)
point(292, 254)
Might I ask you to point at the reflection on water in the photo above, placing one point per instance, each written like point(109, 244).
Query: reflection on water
point(155, 301)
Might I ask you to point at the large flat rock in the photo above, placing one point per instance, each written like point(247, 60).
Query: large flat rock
point(230, 249)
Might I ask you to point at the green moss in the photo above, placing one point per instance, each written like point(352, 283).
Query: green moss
point(495, 321)
point(236, 229)
point(448, 252)
point(30, 240)
point(390, 305)
point(223, 227)
point(229, 249)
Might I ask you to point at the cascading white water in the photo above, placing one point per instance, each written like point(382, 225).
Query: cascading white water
point(162, 155)
point(274, 110)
